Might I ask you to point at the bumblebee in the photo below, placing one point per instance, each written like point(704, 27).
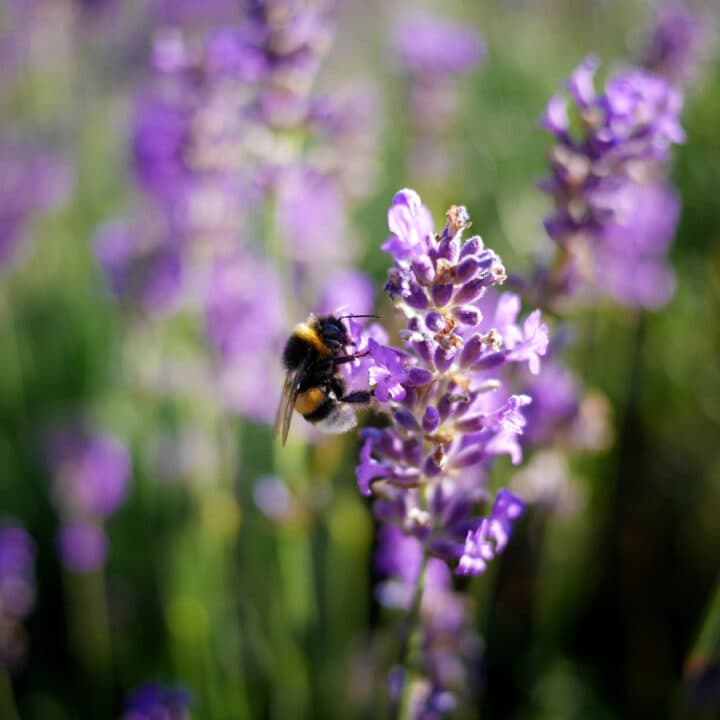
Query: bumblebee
point(313, 385)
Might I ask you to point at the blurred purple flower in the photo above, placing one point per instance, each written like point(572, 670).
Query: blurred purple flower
point(348, 127)
point(17, 589)
point(91, 473)
point(83, 546)
point(431, 45)
point(631, 261)
point(144, 273)
point(243, 306)
point(347, 292)
point(450, 648)
point(32, 182)
point(677, 42)
point(311, 217)
point(193, 13)
point(434, 52)
point(154, 701)
point(555, 394)
point(158, 135)
point(196, 137)
point(296, 37)
point(244, 320)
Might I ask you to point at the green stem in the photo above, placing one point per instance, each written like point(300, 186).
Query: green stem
point(15, 359)
point(90, 633)
point(410, 646)
point(8, 708)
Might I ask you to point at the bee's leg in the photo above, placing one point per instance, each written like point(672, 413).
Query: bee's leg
point(361, 396)
point(348, 358)
point(337, 387)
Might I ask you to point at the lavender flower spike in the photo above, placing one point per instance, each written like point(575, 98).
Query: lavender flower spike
point(677, 43)
point(91, 475)
point(622, 137)
point(451, 651)
point(449, 419)
point(17, 590)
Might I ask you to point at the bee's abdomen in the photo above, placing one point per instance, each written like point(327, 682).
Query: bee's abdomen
point(311, 402)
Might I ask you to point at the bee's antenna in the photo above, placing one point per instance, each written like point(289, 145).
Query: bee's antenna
point(342, 317)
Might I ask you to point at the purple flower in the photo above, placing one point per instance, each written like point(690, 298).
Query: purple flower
point(158, 135)
point(347, 292)
point(433, 53)
point(154, 701)
point(83, 546)
point(624, 134)
point(533, 344)
point(555, 394)
point(91, 473)
point(450, 650)
point(398, 556)
point(311, 218)
point(525, 344)
point(491, 537)
point(369, 469)
point(428, 469)
point(192, 12)
point(243, 307)
point(387, 373)
point(296, 37)
point(631, 265)
point(33, 182)
point(244, 320)
point(676, 43)
point(348, 127)
point(196, 138)
point(17, 589)
point(148, 274)
point(428, 45)
point(411, 224)
point(506, 510)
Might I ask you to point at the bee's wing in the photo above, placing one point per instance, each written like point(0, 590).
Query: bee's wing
point(289, 395)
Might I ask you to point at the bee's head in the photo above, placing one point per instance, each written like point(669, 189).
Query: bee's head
point(333, 333)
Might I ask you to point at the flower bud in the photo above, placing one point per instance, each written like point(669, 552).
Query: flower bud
point(431, 419)
point(468, 315)
point(441, 294)
point(472, 247)
point(417, 298)
point(471, 351)
point(470, 291)
point(423, 269)
point(467, 269)
point(444, 358)
point(435, 322)
point(490, 361)
point(406, 419)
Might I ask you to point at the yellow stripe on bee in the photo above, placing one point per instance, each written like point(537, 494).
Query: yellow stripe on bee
point(309, 400)
point(307, 332)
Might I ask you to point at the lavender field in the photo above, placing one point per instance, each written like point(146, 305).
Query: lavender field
point(359, 359)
